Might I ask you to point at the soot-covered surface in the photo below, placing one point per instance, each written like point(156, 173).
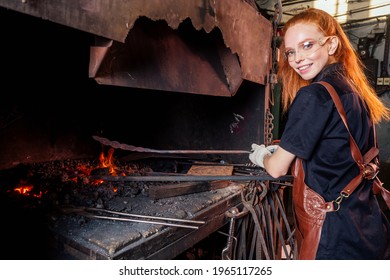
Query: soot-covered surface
point(43, 207)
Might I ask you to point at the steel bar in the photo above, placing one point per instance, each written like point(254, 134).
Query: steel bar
point(86, 211)
point(138, 221)
point(145, 216)
point(189, 178)
point(117, 145)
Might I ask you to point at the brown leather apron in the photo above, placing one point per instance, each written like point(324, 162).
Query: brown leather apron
point(310, 207)
point(310, 211)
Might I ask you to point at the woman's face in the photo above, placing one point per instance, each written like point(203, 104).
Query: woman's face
point(306, 49)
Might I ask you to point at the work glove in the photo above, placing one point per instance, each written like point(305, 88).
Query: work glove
point(258, 153)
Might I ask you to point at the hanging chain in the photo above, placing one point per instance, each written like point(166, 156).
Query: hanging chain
point(268, 127)
point(269, 117)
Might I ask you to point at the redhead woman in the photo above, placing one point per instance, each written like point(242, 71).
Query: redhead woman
point(315, 48)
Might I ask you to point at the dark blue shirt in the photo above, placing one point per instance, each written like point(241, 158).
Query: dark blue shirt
point(315, 132)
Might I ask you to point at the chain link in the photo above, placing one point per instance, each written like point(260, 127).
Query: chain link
point(268, 127)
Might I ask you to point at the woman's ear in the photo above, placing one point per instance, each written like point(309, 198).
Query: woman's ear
point(333, 45)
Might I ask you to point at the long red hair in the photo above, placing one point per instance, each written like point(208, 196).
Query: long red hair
point(345, 54)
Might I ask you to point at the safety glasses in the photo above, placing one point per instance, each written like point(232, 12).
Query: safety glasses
point(305, 49)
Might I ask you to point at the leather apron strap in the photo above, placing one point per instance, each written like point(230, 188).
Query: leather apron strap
point(310, 207)
point(368, 164)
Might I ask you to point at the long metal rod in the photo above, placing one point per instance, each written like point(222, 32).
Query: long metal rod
point(144, 216)
point(139, 221)
point(174, 222)
point(190, 178)
point(117, 145)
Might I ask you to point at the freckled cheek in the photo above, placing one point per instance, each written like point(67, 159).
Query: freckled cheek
point(292, 64)
point(320, 55)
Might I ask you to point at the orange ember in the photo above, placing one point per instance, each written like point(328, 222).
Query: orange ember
point(26, 190)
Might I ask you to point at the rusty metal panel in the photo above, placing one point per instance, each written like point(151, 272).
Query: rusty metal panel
point(247, 33)
point(183, 60)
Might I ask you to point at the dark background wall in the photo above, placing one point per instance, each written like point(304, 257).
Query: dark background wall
point(50, 109)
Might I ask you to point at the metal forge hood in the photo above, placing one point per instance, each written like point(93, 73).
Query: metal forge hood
point(193, 46)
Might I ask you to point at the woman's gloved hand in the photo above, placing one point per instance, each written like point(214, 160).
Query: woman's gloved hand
point(258, 154)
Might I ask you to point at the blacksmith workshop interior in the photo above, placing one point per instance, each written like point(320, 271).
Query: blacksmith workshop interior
point(125, 126)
